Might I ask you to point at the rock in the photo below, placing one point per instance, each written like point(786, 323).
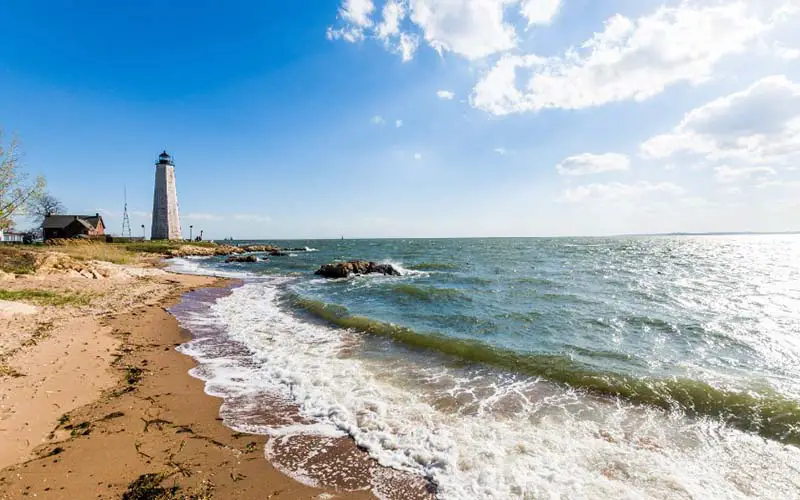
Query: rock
point(241, 258)
point(57, 263)
point(278, 253)
point(260, 248)
point(355, 267)
point(204, 251)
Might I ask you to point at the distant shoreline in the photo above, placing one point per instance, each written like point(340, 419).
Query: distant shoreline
point(623, 235)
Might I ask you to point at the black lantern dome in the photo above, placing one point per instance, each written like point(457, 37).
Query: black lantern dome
point(164, 159)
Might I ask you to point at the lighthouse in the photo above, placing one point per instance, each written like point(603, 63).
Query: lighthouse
point(166, 219)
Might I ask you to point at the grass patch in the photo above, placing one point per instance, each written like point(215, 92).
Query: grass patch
point(162, 246)
point(46, 297)
point(116, 254)
point(15, 261)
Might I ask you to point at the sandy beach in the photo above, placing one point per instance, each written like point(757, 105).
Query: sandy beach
point(95, 402)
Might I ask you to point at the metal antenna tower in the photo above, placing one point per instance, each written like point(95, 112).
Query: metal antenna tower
point(126, 222)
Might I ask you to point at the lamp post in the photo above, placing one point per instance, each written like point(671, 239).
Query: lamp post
point(190, 232)
point(143, 233)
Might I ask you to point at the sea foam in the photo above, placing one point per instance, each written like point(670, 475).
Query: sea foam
point(474, 432)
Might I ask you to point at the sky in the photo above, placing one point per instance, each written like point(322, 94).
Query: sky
point(413, 118)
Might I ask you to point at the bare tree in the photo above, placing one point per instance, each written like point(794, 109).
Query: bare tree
point(45, 204)
point(16, 188)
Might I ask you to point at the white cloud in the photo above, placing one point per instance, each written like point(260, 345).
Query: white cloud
point(137, 213)
point(728, 174)
point(539, 11)
point(470, 28)
point(587, 163)
point(377, 120)
point(407, 46)
point(757, 127)
point(393, 13)
point(445, 94)
point(473, 29)
point(351, 35)
point(105, 212)
point(615, 191)
point(786, 53)
point(631, 59)
point(500, 151)
point(398, 123)
point(357, 12)
point(417, 156)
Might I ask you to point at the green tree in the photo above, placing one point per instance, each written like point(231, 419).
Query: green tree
point(17, 189)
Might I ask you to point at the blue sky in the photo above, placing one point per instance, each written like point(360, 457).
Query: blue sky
point(414, 118)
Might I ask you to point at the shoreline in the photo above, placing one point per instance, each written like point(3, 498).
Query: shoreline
point(130, 417)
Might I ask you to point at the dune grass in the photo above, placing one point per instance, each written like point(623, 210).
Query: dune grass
point(161, 246)
point(98, 251)
point(46, 297)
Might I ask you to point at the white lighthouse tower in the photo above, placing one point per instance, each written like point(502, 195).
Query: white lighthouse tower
point(166, 219)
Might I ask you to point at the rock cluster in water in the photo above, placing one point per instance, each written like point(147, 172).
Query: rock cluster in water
point(355, 267)
point(242, 258)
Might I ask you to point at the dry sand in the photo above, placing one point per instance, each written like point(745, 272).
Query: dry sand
point(93, 398)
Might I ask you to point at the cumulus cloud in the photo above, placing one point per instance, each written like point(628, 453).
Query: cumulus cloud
point(377, 120)
point(357, 12)
point(617, 191)
point(445, 94)
point(540, 11)
point(473, 29)
point(417, 156)
point(757, 127)
point(728, 174)
point(630, 59)
point(587, 163)
point(500, 151)
point(398, 123)
point(393, 13)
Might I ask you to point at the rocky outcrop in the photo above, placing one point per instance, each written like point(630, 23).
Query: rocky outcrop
point(278, 253)
point(204, 251)
point(260, 248)
point(355, 267)
point(242, 258)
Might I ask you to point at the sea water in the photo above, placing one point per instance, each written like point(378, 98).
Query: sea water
point(631, 367)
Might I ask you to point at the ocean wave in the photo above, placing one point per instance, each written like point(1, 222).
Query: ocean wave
point(429, 293)
point(469, 439)
point(433, 266)
point(766, 413)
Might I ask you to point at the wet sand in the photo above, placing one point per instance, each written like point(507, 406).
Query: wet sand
point(99, 398)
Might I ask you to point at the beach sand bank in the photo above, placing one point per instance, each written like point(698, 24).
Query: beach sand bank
point(95, 401)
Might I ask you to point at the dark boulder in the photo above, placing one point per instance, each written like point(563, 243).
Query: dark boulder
point(242, 258)
point(278, 253)
point(355, 267)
